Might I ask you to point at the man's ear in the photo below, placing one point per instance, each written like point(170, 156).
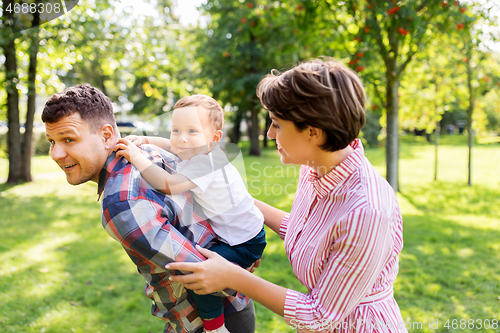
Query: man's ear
point(217, 136)
point(108, 133)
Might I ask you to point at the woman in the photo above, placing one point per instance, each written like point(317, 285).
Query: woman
point(344, 232)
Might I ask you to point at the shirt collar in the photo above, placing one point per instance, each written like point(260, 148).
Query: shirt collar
point(326, 184)
point(105, 172)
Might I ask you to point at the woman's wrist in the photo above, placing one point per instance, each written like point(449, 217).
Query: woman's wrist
point(267, 293)
point(232, 272)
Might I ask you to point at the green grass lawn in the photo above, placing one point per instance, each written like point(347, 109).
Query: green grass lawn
point(63, 273)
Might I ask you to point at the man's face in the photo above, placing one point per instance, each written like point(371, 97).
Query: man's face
point(80, 153)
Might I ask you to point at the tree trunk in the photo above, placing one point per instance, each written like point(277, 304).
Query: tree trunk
point(99, 76)
point(235, 133)
point(470, 131)
point(254, 103)
point(437, 131)
point(254, 131)
point(392, 147)
point(11, 80)
point(31, 106)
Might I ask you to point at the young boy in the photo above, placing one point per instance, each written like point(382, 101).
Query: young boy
point(216, 185)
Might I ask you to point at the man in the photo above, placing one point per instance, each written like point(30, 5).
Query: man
point(154, 229)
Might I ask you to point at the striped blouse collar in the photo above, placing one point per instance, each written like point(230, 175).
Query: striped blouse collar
point(326, 184)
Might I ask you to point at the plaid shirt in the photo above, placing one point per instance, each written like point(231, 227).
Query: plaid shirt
point(155, 229)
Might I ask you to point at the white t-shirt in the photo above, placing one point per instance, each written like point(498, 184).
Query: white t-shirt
point(223, 196)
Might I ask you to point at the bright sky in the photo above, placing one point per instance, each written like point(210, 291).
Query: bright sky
point(185, 9)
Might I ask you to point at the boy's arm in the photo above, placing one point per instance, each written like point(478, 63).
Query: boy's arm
point(154, 175)
point(162, 180)
point(272, 216)
point(163, 143)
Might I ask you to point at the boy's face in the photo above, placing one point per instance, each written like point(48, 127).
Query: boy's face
point(192, 131)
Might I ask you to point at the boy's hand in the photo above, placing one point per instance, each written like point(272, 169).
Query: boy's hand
point(127, 149)
point(136, 140)
point(256, 264)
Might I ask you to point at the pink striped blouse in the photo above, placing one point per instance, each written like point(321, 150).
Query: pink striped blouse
point(343, 237)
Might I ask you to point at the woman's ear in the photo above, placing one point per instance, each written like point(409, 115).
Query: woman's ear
point(315, 134)
point(217, 136)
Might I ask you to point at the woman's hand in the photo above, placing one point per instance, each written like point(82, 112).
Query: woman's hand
point(217, 273)
point(208, 276)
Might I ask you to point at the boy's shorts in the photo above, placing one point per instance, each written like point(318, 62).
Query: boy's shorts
point(244, 254)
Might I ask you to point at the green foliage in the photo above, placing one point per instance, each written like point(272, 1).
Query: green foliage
point(491, 107)
point(90, 42)
point(163, 68)
point(388, 34)
point(243, 41)
point(382, 38)
point(131, 58)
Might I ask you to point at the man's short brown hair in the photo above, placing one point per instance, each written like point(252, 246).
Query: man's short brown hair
point(215, 111)
point(321, 93)
point(94, 107)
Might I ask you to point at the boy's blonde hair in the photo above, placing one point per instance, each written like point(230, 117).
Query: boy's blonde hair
point(215, 112)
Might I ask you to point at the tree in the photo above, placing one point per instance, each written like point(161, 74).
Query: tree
point(432, 89)
point(89, 45)
point(22, 39)
point(19, 147)
point(490, 105)
point(163, 67)
point(383, 37)
point(480, 80)
point(30, 109)
point(242, 42)
point(133, 58)
point(11, 79)
point(473, 43)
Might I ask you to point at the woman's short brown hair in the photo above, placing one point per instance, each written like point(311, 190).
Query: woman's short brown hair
point(321, 93)
point(215, 111)
point(94, 107)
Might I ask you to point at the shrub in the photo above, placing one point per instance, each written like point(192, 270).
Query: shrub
point(40, 144)
point(372, 128)
point(3, 145)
